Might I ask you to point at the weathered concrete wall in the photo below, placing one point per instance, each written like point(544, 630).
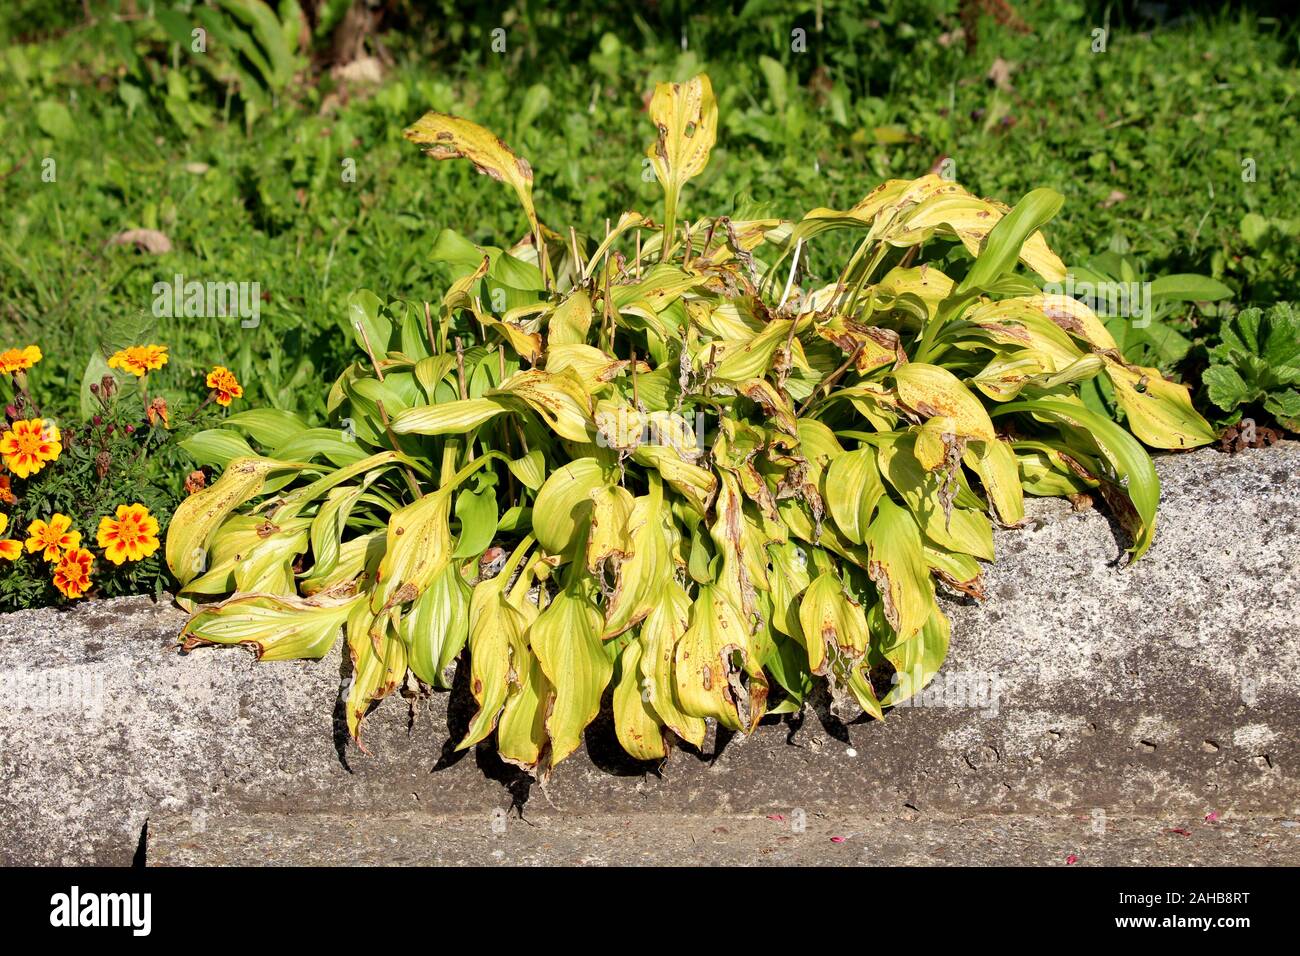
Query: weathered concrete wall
point(1170, 686)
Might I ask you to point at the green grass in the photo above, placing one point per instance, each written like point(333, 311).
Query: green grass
point(1164, 116)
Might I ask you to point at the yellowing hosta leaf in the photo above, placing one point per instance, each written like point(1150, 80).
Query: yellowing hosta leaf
point(562, 511)
point(448, 418)
point(958, 571)
point(267, 568)
point(521, 735)
point(925, 284)
point(436, 626)
point(429, 372)
point(530, 469)
point(1133, 488)
point(819, 446)
point(567, 641)
point(1020, 322)
point(692, 482)
point(851, 490)
point(276, 627)
point(419, 546)
point(740, 544)
point(619, 425)
point(995, 463)
point(237, 536)
point(570, 322)
point(638, 577)
point(930, 445)
point(378, 665)
point(831, 620)
point(877, 404)
point(775, 406)
point(662, 629)
point(970, 220)
point(934, 392)
point(450, 137)
point(918, 659)
point(594, 368)
point(419, 543)
point(1045, 473)
point(788, 579)
point(559, 399)
point(357, 557)
point(660, 287)
point(877, 208)
point(1159, 411)
point(751, 358)
point(1077, 319)
point(729, 320)
point(330, 525)
point(625, 222)
point(199, 515)
point(686, 116)
point(635, 723)
point(496, 628)
point(958, 528)
point(874, 347)
point(898, 568)
point(527, 345)
point(711, 657)
point(1009, 372)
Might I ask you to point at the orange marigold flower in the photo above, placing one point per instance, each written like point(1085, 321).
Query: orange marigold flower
point(10, 549)
point(222, 381)
point(139, 359)
point(158, 409)
point(132, 536)
point(72, 573)
point(15, 360)
point(195, 482)
point(52, 538)
point(7, 495)
point(28, 445)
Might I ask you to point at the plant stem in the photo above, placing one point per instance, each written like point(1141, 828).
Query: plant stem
point(392, 437)
point(670, 222)
point(826, 384)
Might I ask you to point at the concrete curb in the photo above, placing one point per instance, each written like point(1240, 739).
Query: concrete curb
point(1164, 690)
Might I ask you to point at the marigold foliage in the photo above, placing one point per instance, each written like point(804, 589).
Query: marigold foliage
point(653, 461)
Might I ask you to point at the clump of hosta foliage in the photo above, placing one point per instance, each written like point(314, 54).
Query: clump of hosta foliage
point(661, 458)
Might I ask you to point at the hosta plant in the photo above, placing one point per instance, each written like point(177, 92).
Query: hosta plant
point(664, 461)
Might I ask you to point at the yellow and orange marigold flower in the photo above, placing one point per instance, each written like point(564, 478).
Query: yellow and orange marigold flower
point(10, 550)
point(222, 381)
point(72, 573)
point(28, 445)
point(139, 359)
point(15, 360)
point(7, 496)
point(131, 536)
point(51, 538)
